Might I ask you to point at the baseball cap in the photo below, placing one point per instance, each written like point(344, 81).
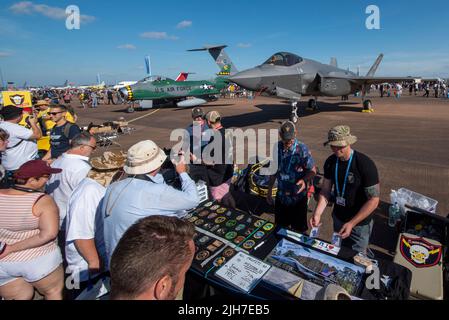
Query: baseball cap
point(213, 116)
point(35, 168)
point(287, 131)
point(197, 112)
point(10, 112)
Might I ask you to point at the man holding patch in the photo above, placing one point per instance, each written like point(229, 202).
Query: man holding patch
point(296, 170)
point(351, 181)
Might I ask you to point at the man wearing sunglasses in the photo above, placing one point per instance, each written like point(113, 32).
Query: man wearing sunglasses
point(76, 166)
point(61, 134)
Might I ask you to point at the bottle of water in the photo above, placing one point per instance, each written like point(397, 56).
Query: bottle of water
point(394, 214)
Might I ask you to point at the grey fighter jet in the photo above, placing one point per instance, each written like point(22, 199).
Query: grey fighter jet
point(289, 76)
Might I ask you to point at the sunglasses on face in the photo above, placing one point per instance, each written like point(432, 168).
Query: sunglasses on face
point(54, 113)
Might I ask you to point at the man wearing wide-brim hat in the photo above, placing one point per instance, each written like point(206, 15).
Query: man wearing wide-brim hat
point(354, 179)
point(144, 193)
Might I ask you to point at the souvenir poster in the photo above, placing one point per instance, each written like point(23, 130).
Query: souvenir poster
point(315, 266)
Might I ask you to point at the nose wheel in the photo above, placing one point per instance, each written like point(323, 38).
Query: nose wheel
point(294, 114)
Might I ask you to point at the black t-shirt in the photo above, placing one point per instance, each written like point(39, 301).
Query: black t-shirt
point(362, 174)
point(59, 142)
point(220, 173)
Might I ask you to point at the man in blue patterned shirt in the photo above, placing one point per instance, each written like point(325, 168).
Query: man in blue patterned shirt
point(296, 169)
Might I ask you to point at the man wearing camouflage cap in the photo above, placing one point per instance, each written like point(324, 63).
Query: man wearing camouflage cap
point(354, 179)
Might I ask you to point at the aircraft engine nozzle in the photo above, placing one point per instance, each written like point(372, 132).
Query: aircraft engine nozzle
point(190, 103)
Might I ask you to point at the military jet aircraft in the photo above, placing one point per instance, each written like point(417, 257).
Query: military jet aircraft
point(163, 89)
point(289, 76)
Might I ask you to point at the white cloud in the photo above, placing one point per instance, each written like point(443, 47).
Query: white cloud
point(127, 47)
point(4, 54)
point(184, 24)
point(244, 45)
point(156, 35)
point(56, 13)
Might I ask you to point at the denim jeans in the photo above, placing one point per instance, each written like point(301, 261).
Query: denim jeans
point(359, 238)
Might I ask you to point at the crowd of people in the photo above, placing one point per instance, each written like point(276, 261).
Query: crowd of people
point(57, 224)
point(440, 89)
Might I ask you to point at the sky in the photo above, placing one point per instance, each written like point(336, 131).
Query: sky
point(114, 37)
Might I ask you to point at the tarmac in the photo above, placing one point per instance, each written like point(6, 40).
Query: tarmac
point(408, 139)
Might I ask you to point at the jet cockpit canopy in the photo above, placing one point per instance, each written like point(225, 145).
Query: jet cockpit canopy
point(284, 59)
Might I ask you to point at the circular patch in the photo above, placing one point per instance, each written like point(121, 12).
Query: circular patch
point(199, 222)
point(228, 252)
point(207, 205)
point(259, 235)
point(203, 213)
point(249, 220)
point(215, 207)
point(202, 255)
point(259, 223)
point(188, 216)
point(239, 240)
point(203, 239)
point(249, 244)
point(213, 215)
point(207, 226)
point(240, 217)
point(221, 210)
point(220, 220)
point(219, 261)
point(268, 226)
point(231, 235)
point(222, 231)
point(229, 213)
point(249, 231)
point(231, 223)
point(215, 228)
point(193, 219)
point(240, 227)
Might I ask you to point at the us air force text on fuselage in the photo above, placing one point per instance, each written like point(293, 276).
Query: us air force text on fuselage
point(228, 310)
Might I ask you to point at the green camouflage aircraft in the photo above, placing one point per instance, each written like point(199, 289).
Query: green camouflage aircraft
point(185, 94)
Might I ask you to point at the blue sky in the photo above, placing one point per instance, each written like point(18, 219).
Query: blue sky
point(115, 36)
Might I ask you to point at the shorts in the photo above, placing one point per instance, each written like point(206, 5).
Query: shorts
point(32, 270)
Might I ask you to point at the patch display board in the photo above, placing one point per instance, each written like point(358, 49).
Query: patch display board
point(315, 266)
point(222, 232)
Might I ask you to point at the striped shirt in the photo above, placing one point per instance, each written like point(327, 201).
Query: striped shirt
point(17, 223)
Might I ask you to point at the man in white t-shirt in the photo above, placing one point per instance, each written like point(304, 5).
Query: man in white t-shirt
point(85, 250)
point(76, 166)
point(22, 145)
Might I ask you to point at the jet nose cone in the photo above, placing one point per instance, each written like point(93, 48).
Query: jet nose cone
point(249, 79)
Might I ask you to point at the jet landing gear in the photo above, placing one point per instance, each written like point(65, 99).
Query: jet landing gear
point(367, 106)
point(312, 104)
point(294, 115)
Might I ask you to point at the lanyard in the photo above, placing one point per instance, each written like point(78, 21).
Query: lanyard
point(346, 176)
point(291, 157)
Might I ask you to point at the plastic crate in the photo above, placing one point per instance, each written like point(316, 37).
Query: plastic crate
point(414, 199)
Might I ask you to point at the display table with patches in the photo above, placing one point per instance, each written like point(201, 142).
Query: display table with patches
point(290, 265)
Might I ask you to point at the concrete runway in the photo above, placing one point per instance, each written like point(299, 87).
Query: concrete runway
point(408, 138)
